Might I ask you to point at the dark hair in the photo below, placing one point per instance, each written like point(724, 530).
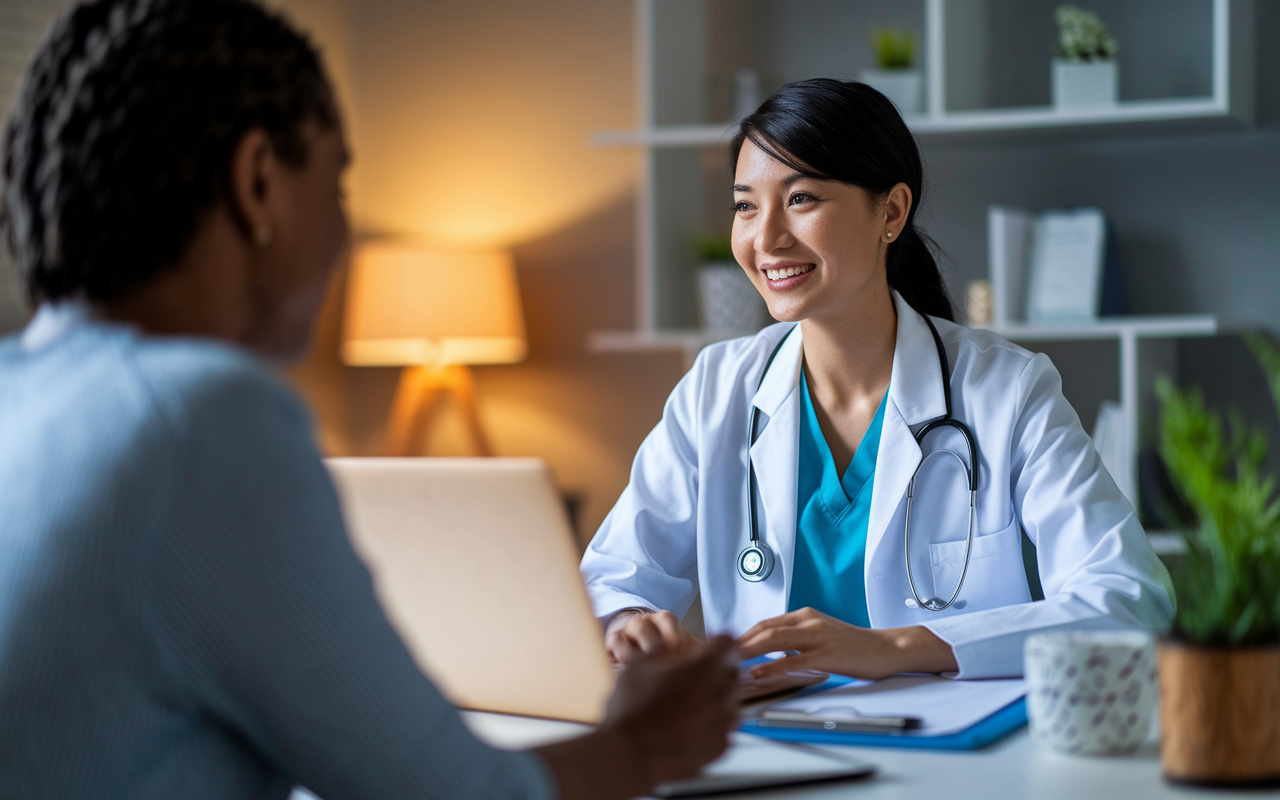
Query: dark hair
point(849, 132)
point(124, 129)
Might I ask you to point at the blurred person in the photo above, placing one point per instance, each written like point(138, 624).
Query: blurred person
point(181, 612)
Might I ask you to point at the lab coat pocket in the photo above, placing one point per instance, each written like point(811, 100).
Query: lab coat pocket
point(996, 576)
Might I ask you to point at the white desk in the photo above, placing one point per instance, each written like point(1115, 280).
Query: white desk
point(1014, 768)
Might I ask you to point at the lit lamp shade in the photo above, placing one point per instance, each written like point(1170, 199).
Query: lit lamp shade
point(412, 305)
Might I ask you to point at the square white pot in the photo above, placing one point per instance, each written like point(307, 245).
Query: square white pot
point(728, 300)
point(904, 87)
point(1078, 84)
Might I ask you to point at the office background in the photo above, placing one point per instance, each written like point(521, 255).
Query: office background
point(471, 124)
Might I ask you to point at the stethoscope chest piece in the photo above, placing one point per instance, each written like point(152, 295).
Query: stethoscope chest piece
point(755, 562)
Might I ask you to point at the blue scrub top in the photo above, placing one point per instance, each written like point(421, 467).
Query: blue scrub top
point(831, 520)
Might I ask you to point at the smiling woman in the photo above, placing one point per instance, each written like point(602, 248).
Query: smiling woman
point(812, 443)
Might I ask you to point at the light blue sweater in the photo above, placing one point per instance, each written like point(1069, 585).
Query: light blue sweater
point(181, 613)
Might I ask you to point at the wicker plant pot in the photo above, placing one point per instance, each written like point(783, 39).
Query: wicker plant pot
point(1220, 715)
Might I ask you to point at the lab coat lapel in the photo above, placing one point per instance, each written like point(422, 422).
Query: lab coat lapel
point(775, 456)
point(915, 397)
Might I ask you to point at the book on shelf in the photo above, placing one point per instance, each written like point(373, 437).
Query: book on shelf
point(1052, 265)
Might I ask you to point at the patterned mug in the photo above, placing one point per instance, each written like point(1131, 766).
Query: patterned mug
point(1091, 692)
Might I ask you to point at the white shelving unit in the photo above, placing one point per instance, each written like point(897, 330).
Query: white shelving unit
point(676, 45)
point(680, 45)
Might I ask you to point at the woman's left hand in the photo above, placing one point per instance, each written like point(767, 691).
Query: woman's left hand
point(826, 644)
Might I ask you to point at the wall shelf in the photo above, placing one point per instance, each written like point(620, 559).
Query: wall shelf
point(1138, 326)
point(1144, 113)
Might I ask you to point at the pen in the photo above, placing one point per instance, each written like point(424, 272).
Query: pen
point(834, 722)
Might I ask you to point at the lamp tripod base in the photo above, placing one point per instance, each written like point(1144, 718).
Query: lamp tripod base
point(419, 397)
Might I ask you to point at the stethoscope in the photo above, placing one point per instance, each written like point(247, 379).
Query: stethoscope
point(755, 562)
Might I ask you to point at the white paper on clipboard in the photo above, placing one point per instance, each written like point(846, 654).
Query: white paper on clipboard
point(944, 706)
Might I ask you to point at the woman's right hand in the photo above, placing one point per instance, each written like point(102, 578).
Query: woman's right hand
point(635, 633)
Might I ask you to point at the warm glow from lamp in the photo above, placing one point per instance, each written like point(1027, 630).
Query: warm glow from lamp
point(418, 306)
point(433, 312)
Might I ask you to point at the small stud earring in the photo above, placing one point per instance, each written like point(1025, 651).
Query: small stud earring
point(262, 238)
point(889, 235)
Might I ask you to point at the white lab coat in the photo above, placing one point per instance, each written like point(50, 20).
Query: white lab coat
point(682, 520)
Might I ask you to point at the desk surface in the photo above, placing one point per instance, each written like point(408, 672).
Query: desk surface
point(1015, 769)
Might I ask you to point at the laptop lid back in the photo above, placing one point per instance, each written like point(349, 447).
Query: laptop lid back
point(477, 568)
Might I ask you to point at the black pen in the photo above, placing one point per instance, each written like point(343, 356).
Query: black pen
point(836, 722)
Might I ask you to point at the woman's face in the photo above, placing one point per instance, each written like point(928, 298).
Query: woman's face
point(813, 248)
point(310, 236)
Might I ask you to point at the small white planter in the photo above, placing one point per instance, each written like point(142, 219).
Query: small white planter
point(1079, 84)
point(904, 87)
point(728, 301)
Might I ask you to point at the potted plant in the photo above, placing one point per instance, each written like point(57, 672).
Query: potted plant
point(727, 299)
point(1084, 72)
point(894, 76)
point(1220, 662)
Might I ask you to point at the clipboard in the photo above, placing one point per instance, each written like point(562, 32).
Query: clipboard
point(991, 729)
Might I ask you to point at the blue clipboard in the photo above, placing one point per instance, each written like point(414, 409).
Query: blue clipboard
point(990, 730)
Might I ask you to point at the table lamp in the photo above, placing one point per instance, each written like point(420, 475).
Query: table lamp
point(433, 312)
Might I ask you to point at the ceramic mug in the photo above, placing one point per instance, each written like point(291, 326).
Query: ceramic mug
point(1091, 692)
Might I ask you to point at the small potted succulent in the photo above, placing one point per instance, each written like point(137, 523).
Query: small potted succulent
point(1220, 663)
point(727, 299)
point(895, 75)
point(1084, 71)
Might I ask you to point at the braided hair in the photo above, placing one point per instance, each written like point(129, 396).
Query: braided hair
point(845, 131)
point(124, 129)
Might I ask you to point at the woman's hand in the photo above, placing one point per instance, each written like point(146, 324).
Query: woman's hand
point(826, 644)
point(637, 633)
point(667, 717)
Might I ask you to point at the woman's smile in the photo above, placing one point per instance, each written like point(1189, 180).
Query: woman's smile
point(782, 276)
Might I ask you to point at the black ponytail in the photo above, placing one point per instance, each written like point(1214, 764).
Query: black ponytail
point(849, 132)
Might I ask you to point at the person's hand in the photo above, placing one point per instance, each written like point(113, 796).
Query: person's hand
point(678, 709)
point(634, 634)
point(819, 642)
point(668, 716)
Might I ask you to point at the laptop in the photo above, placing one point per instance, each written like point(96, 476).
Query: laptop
point(476, 565)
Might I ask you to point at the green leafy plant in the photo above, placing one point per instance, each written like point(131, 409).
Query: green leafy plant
point(1082, 36)
point(1228, 589)
point(713, 248)
point(895, 48)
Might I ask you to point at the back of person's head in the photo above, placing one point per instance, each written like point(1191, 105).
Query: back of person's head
point(848, 132)
point(124, 129)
